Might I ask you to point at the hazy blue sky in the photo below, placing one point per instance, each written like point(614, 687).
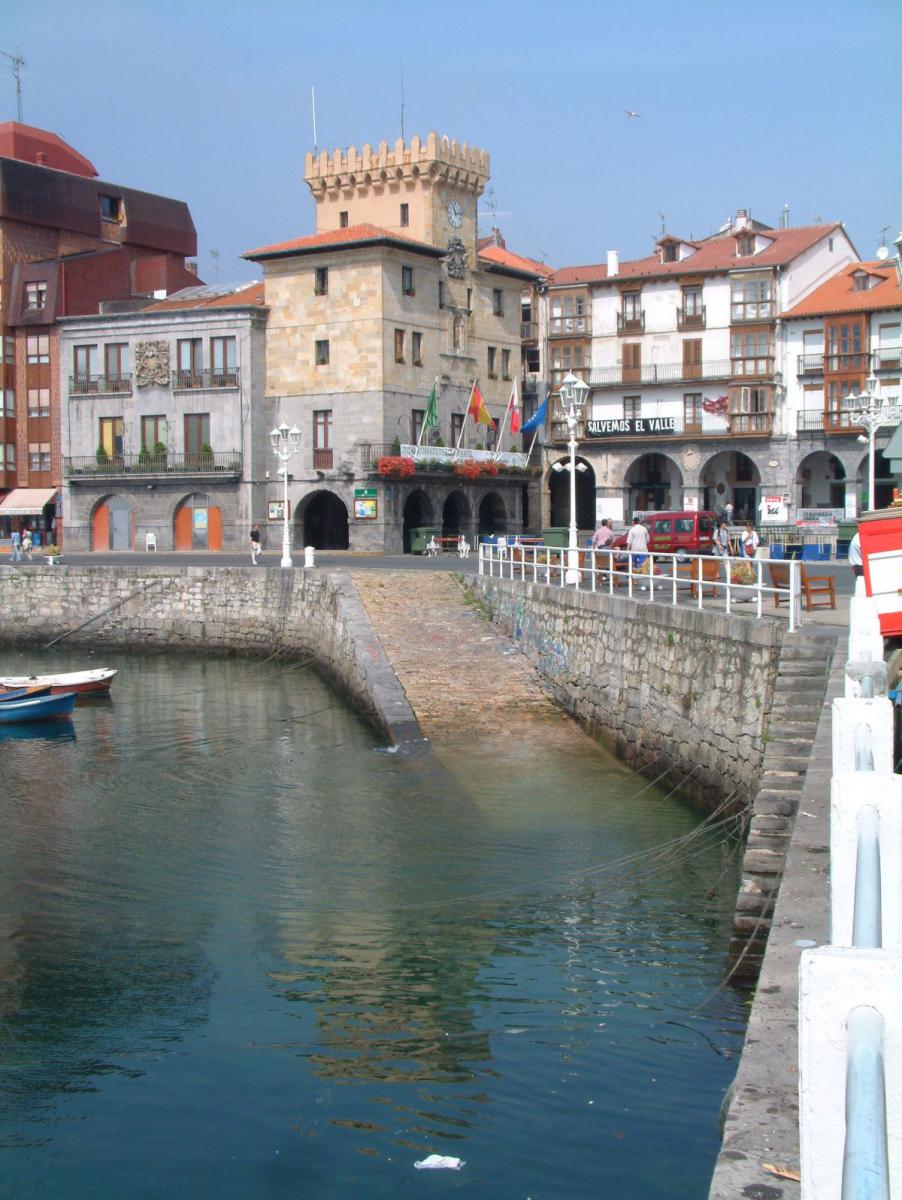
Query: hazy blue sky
point(743, 105)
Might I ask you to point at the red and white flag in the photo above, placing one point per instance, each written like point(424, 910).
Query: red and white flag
point(513, 408)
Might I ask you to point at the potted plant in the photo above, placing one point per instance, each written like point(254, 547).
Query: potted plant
point(101, 456)
point(395, 447)
point(395, 466)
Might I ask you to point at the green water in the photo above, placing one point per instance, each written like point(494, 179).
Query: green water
point(244, 952)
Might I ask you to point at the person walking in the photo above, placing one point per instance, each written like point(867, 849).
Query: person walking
point(855, 555)
point(255, 544)
point(637, 542)
point(16, 540)
point(603, 535)
point(26, 545)
point(722, 545)
point(750, 541)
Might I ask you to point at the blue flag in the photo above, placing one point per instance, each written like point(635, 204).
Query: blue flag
point(537, 420)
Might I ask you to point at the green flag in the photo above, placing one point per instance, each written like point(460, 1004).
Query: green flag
point(430, 417)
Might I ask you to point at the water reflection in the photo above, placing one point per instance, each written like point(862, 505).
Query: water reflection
point(230, 928)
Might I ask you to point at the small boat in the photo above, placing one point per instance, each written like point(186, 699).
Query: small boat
point(81, 682)
point(24, 694)
point(39, 708)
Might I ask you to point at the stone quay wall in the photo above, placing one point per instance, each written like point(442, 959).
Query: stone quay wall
point(243, 610)
point(663, 687)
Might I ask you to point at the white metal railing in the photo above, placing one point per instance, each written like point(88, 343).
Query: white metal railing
point(850, 991)
point(686, 581)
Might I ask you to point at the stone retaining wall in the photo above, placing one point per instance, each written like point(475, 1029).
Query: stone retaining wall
point(241, 610)
point(665, 687)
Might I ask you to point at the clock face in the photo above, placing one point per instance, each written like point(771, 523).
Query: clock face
point(455, 214)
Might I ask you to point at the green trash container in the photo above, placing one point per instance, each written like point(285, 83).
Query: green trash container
point(557, 536)
point(845, 531)
point(421, 535)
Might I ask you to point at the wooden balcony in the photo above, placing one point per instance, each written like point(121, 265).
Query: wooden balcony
point(752, 310)
point(691, 319)
point(568, 326)
point(100, 385)
point(753, 367)
point(86, 468)
point(186, 381)
point(529, 331)
point(827, 421)
point(322, 460)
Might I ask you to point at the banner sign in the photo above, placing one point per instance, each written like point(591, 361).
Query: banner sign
point(631, 426)
point(449, 454)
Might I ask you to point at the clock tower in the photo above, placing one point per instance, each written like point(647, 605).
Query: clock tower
point(427, 190)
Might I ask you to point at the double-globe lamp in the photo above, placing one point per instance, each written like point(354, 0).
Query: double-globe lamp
point(285, 443)
point(573, 393)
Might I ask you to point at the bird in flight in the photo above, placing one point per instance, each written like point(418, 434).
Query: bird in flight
point(629, 112)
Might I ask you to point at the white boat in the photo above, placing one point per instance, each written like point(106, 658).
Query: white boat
point(74, 681)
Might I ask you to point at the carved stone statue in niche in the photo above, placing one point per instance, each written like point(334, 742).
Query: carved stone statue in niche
point(456, 258)
point(152, 364)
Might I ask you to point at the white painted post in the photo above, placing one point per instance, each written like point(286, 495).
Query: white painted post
point(877, 716)
point(833, 983)
point(865, 638)
point(849, 794)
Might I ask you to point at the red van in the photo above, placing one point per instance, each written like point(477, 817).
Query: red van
point(679, 533)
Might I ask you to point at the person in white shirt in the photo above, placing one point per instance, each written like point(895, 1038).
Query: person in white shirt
point(750, 541)
point(637, 542)
point(855, 555)
point(722, 540)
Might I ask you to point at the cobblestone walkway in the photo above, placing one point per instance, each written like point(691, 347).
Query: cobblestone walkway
point(463, 679)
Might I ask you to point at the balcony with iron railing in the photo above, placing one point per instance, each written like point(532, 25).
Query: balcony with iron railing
point(820, 420)
point(752, 310)
point(186, 381)
point(652, 373)
point(88, 467)
point(691, 318)
point(887, 358)
point(568, 326)
point(529, 331)
point(322, 460)
point(370, 452)
point(100, 385)
point(631, 322)
point(884, 358)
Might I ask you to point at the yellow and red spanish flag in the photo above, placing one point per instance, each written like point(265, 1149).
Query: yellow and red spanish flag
point(478, 410)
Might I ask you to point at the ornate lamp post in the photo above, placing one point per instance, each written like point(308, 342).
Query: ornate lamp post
point(873, 415)
point(285, 442)
point(573, 398)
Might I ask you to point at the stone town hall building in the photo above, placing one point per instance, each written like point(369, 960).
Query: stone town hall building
point(389, 296)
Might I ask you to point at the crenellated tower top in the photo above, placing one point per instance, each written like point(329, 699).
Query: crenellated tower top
point(423, 188)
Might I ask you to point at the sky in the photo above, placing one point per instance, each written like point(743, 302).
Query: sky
point(797, 103)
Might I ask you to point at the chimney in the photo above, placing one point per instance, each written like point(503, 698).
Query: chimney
point(742, 219)
point(191, 265)
point(613, 263)
point(41, 158)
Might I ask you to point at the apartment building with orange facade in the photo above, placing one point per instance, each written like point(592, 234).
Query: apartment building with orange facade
point(69, 244)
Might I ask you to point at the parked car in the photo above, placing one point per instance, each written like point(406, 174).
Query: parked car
point(680, 533)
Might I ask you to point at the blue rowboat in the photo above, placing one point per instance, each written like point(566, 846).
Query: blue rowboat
point(39, 708)
point(27, 693)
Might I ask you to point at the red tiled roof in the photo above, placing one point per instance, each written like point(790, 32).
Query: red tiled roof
point(515, 262)
point(353, 235)
point(252, 294)
point(837, 295)
point(713, 254)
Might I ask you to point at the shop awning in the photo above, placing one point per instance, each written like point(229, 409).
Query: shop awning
point(26, 502)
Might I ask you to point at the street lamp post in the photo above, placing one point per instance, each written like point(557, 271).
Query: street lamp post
point(285, 442)
point(573, 398)
point(873, 415)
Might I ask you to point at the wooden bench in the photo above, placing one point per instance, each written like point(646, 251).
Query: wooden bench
point(813, 587)
point(711, 575)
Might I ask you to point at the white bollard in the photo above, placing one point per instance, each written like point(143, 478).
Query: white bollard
point(833, 982)
point(309, 556)
point(848, 795)
point(865, 638)
point(848, 715)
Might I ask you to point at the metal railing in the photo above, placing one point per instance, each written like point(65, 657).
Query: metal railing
point(687, 319)
point(529, 331)
point(677, 372)
point(883, 358)
point(661, 578)
point(631, 322)
point(186, 381)
point(370, 453)
point(838, 420)
point(99, 385)
point(85, 467)
point(568, 326)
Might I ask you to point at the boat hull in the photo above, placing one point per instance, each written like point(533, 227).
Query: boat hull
point(80, 682)
point(39, 708)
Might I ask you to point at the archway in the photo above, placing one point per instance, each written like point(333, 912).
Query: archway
point(559, 493)
point(732, 477)
point(197, 524)
point(884, 482)
point(654, 484)
point(492, 514)
point(112, 526)
point(417, 512)
point(455, 515)
point(821, 481)
point(325, 522)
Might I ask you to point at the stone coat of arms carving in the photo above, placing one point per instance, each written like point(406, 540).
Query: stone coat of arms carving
point(152, 364)
point(456, 258)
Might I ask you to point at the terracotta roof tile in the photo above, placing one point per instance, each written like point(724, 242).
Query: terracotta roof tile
point(337, 238)
point(713, 254)
point(251, 295)
point(516, 262)
point(837, 294)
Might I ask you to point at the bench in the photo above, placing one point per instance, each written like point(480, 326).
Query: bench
point(813, 587)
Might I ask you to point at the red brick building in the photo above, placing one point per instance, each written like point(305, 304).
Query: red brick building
point(70, 244)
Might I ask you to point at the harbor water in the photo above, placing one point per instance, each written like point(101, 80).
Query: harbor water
point(247, 952)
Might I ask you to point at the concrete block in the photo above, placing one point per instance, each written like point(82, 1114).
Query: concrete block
point(849, 793)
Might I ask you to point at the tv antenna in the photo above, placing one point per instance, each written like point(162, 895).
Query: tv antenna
point(18, 62)
point(214, 258)
point(663, 217)
point(402, 99)
point(313, 108)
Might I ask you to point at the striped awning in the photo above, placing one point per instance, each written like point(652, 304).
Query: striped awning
point(26, 502)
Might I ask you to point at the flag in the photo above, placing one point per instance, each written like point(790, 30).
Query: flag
point(537, 420)
point(430, 417)
point(478, 410)
point(513, 407)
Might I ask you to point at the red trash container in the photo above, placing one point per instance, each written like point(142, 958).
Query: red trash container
point(881, 556)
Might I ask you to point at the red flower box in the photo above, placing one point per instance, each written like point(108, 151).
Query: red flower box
point(395, 466)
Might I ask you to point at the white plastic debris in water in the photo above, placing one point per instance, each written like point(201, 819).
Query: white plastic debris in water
point(439, 1162)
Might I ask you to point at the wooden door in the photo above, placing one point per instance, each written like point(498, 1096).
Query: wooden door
point(100, 533)
point(214, 528)
point(632, 362)
point(692, 358)
point(184, 528)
